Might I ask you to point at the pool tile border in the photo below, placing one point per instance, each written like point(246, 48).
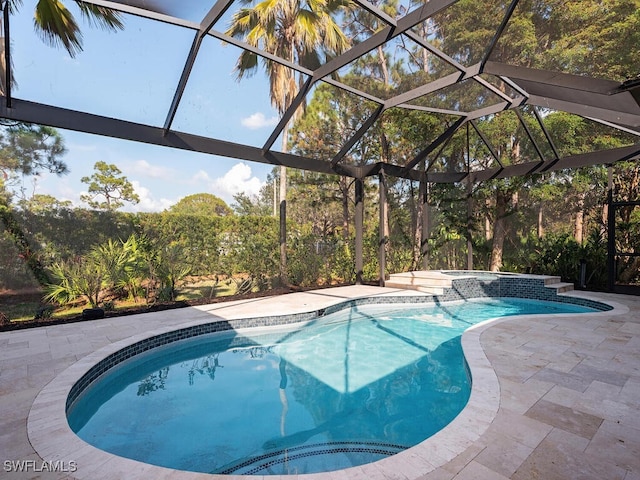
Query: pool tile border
point(53, 439)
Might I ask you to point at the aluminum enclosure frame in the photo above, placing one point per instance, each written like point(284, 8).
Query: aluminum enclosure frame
point(611, 103)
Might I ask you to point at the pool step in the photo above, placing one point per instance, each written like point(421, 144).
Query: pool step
point(555, 282)
point(422, 278)
point(561, 287)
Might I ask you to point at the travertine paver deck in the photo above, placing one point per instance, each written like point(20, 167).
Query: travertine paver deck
point(567, 396)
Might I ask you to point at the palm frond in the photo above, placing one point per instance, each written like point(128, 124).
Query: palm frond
point(310, 59)
point(101, 17)
point(13, 5)
point(308, 27)
point(240, 23)
point(246, 65)
point(335, 39)
point(57, 26)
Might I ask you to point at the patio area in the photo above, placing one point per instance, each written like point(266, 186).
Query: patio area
point(567, 406)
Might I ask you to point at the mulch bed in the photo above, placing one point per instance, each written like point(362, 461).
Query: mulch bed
point(22, 297)
point(156, 307)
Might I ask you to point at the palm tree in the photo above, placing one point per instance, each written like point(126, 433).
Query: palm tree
point(295, 30)
point(299, 31)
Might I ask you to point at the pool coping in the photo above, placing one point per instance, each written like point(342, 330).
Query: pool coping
point(53, 439)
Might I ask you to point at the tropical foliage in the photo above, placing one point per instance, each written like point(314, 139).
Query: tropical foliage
point(134, 269)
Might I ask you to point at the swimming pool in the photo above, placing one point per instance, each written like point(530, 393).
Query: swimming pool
point(350, 388)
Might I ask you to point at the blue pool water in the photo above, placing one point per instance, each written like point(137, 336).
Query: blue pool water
point(350, 388)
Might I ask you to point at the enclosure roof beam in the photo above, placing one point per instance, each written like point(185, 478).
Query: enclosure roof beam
point(435, 51)
point(587, 111)
point(25, 111)
point(491, 109)
point(588, 97)
point(529, 134)
point(210, 18)
point(487, 143)
point(441, 111)
point(499, 32)
point(182, 83)
point(398, 172)
point(546, 132)
point(132, 9)
point(372, 9)
point(357, 135)
point(607, 157)
point(444, 136)
point(352, 90)
point(410, 20)
point(288, 114)
point(632, 131)
point(425, 89)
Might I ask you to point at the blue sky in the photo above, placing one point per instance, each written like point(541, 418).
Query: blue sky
point(132, 75)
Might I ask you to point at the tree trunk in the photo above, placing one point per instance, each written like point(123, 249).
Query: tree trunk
point(540, 226)
point(275, 197)
point(579, 223)
point(499, 231)
point(382, 61)
point(417, 250)
point(628, 273)
point(359, 222)
point(426, 227)
point(384, 145)
point(344, 190)
point(487, 221)
point(383, 231)
point(604, 219)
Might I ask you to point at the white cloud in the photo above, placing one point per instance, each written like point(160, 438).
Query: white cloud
point(201, 176)
point(67, 192)
point(60, 188)
point(147, 202)
point(258, 120)
point(144, 168)
point(237, 179)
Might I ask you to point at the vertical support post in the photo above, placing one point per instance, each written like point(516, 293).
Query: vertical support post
point(5, 82)
point(469, 206)
point(359, 221)
point(469, 224)
point(611, 233)
point(283, 225)
point(382, 244)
